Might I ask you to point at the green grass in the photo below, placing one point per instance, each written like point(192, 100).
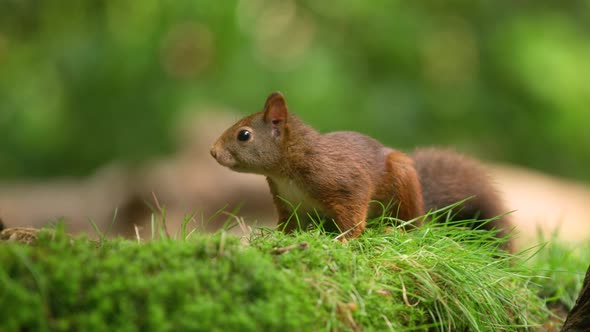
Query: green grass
point(561, 269)
point(441, 277)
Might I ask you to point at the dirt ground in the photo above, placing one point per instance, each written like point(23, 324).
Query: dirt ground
point(191, 181)
point(540, 202)
point(544, 203)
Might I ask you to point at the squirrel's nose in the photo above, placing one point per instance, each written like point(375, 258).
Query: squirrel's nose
point(213, 152)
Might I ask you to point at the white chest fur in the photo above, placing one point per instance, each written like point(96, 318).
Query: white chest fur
point(296, 198)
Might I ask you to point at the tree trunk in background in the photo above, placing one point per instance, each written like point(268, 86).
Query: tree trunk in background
point(579, 318)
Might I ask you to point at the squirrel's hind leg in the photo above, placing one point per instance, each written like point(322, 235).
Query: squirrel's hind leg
point(400, 185)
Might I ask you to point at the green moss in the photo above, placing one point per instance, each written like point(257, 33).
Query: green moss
point(206, 284)
point(446, 278)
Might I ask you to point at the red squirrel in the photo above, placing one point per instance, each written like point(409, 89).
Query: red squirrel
point(340, 175)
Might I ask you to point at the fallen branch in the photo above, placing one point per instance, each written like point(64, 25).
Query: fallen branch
point(282, 250)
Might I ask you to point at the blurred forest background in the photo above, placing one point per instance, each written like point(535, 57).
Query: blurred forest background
point(86, 82)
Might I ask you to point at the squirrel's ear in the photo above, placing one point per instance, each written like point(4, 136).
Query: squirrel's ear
point(275, 112)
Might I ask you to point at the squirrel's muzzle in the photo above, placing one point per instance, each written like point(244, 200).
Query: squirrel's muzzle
point(222, 156)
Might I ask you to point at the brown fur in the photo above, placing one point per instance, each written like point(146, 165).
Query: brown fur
point(338, 174)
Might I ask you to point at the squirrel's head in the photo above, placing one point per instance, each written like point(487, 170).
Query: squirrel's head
point(253, 144)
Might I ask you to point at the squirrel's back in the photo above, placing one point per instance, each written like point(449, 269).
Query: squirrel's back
point(342, 162)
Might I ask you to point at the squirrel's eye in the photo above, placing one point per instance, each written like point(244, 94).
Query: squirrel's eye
point(244, 135)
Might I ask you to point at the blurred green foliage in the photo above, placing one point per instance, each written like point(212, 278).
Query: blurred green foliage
point(85, 82)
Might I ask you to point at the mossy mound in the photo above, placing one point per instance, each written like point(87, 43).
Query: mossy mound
point(446, 278)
